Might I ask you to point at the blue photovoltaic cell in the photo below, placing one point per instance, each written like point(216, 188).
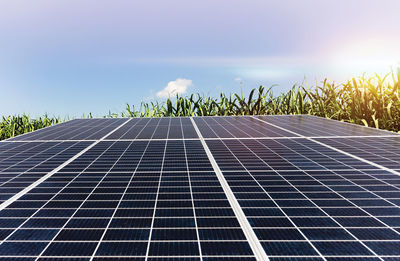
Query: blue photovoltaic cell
point(80, 129)
point(383, 151)
point(23, 163)
point(307, 125)
point(302, 198)
point(156, 128)
point(130, 199)
point(237, 127)
point(147, 191)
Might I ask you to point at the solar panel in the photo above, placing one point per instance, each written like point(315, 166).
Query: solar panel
point(79, 129)
point(237, 127)
point(383, 151)
point(201, 188)
point(305, 199)
point(163, 128)
point(308, 125)
point(23, 163)
point(135, 199)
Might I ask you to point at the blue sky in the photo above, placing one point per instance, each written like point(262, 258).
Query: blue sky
point(72, 57)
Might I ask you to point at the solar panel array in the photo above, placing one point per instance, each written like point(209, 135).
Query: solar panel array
point(278, 188)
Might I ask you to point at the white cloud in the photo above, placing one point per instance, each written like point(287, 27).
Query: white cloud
point(179, 86)
point(238, 79)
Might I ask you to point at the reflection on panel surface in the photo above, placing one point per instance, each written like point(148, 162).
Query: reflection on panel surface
point(23, 163)
point(303, 199)
point(146, 190)
point(127, 199)
point(79, 129)
point(237, 127)
point(307, 125)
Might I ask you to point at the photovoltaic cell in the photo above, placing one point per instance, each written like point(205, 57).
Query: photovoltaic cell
point(23, 163)
point(145, 189)
point(80, 129)
point(383, 151)
point(303, 199)
point(237, 127)
point(144, 199)
point(165, 128)
point(307, 125)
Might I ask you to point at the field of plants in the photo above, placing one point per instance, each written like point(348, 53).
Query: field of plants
point(371, 101)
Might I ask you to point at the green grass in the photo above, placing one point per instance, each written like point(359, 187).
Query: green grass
point(370, 101)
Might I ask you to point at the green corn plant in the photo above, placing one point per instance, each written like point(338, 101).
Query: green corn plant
point(371, 101)
point(11, 126)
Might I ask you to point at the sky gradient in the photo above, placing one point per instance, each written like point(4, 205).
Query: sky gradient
point(72, 57)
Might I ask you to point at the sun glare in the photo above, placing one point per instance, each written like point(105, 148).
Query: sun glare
point(366, 56)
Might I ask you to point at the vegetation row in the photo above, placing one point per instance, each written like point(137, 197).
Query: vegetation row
point(370, 101)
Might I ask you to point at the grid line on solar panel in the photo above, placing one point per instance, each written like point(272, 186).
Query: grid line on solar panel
point(178, 128)
point(53, 213)
point(12, 158)
point(171, 194)
point(80, 129)
point(81, 205)
point(21, 169)
point(370, 130)
point(260, 254)
point(227, 131)
point(128, 127)
point(244, 126)
point(8, 147)
point(274, 148)
point(85, 201)
point(353, 204)
point(25, 152)
point(149, 242)
point(245, 129)
point(308, 125)
point(190, 214)
point(382, 151)
point(373, 163)
point(192, 199)
point(389, 173)
point(294, 225)
point(21, 136)
point(43, 131)
point(49, 151)
point(288, 138)
point(177, 139)
point(135, 129)
point(53, 168)
point(39, 209)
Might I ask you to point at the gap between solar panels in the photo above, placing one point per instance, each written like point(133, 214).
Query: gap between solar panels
point(390, 134)
point(33, 185)
point(252, 238)
point(333, 148)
